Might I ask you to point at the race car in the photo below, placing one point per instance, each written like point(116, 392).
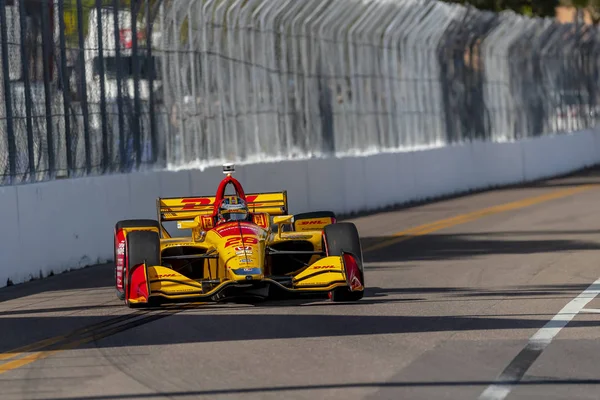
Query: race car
point(237, 245)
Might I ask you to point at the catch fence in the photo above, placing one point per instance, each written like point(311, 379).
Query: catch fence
point(91, 87)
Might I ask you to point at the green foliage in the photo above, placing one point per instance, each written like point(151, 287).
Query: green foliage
point(537, 8)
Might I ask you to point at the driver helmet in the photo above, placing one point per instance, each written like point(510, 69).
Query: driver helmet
point(233, 208)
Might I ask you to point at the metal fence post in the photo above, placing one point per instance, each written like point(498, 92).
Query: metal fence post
point(106, 154)
point(123, 142)
point(64, 79)
point(135, 65)
point(27, 90)
point(151, 70)
point(10, 133)
point(83, 88)
point(47, 35)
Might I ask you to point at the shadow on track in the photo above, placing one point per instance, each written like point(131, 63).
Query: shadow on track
point(271, 389)
point(211, 325)
point(93, 277)
point(570, 290)
point(434, 247)
point(60, 309)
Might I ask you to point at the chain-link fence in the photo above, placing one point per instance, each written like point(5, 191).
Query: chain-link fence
point(273, 78)
point(78, 86)
point(101, 86)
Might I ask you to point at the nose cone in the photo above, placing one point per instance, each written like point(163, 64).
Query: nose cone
point(244, 261)
point(241, 248)
point(245, 268)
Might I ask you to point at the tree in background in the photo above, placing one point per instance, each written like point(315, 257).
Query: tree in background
point(537, 8)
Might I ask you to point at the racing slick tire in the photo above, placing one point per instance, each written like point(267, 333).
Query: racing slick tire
point(343, 237)
point(141, 247)
point(129, 223)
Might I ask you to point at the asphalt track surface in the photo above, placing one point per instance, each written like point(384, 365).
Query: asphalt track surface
point(491, 295)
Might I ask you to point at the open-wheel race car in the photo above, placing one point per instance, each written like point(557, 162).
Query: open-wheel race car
point(240, 245)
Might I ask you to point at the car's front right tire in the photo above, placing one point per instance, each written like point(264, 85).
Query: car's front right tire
point(141, 247)
point(343, 238)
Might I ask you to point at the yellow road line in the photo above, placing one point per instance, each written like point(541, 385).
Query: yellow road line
point(461, 219)
point(53, 340)
point(40, 355)
point(9, 366)
point(30, 347)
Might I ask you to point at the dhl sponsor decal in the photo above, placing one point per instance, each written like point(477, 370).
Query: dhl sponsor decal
point(193, 203)
point(324, 267)
point(313, 222)
point(161, 276)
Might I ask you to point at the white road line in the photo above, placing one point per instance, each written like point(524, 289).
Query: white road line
point(536, 345)
point(591, 310)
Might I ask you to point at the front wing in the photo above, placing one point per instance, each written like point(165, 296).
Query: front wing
point(157, 282)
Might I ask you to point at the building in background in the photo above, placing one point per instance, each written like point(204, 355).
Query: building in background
point(567, 15)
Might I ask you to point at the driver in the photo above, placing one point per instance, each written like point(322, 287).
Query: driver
point(232, 208)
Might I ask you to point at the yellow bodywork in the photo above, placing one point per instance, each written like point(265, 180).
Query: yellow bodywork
point(177, 208)
point(237, 254)
point(325, 275)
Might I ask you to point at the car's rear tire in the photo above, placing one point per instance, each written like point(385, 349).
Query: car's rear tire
point(343, 237)
point(142, 247)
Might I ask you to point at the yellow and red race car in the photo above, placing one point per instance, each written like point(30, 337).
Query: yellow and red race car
point(240, 245)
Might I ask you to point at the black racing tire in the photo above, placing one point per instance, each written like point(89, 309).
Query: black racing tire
point(129, 223)
point(120, 295)
point(141, 246)
point(343, 237)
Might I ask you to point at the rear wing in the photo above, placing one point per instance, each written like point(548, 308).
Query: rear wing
point(186, 208)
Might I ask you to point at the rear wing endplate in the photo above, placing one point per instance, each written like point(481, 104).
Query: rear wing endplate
point(186, 208)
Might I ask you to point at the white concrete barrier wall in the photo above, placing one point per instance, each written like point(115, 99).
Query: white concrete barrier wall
point(60, 225)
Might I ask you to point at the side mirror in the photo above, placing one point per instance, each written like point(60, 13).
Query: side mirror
point(283, 219)
point(188, 224)
point(280, 220)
